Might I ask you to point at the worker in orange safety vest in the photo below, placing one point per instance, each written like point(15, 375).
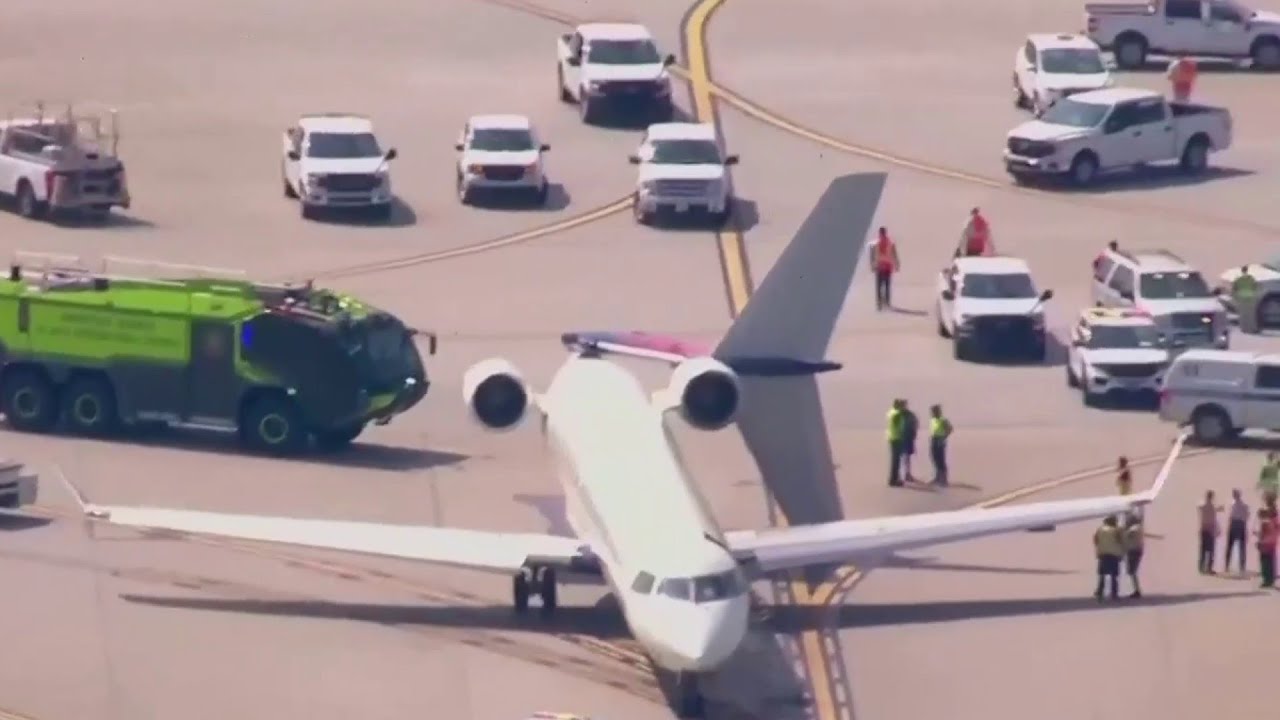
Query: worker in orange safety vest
point(1182, 77)
point(975, 239)
point(1113, 246)
point(884, 260)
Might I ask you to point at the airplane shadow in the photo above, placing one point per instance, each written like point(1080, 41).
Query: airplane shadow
point(14, 523)
point(799, 619)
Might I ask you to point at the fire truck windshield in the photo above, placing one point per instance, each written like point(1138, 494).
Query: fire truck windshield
point(384, 352)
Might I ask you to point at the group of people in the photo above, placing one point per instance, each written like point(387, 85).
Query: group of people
point(903, 429)
point(1266, 534)
point(975, 239)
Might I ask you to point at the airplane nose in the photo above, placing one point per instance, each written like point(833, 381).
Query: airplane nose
point(706, 644)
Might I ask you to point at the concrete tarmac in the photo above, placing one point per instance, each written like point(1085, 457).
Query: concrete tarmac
point(204, 94)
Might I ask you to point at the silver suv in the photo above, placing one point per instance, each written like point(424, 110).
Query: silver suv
point(1164, 286)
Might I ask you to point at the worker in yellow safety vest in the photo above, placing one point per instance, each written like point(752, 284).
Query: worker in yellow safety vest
point(894, 432)
point(1244, 295)
point(939, 432)
point(1108, 546)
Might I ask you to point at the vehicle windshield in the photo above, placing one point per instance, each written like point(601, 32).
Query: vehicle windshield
point(384, 352)
point(1075, 113)
point(704, 588)
point(342, 145)
point(685, 152)
point(623, 52)
point(1072, 61)
point(502, 139)
point(1125, 337)
point(1173, 286)
point(998, 287)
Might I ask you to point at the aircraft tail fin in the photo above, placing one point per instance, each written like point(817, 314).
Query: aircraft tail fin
point(793, 312)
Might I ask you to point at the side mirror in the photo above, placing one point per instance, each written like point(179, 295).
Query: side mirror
point(948, 295)
point(1046, 295)
point(294, 155)
point(633, 159)
point(544, 147)
point(669, 60)
point(573, 61)
point(457, 146)
point(731, 160)
point(391, 154)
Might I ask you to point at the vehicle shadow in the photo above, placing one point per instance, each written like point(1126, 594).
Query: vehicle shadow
point(361, 455)
point(1151, 177)
point(1121, 404)
point(558, 198)
point(800, 619)
point(621, 118)
point(114, 220)
point(1055, 355)
point(402, 215)
point(1259, 443)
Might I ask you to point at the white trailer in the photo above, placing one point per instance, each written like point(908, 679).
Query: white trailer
point(51, 165)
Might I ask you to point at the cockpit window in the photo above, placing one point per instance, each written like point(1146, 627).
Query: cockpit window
point(678, 588)
point(643, 583)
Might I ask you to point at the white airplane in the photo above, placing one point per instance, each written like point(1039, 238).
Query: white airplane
point(640, 524)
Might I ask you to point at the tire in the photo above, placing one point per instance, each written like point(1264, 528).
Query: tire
point(1086, 399)
point(641, 217)
point(89, 407)
point(584, 110)
point(335, 439)
point(547, 590)
point(1084, 169)
point(1266, 54)
point(271, 424)
point(28, 206)
point(542, 195)
point(289, 192)
point(942, 329)
point(520, 593)
point(1195, 157)
point(1072, 380)
point(29, 401)
point(309, 212)
point(722, 219)
point(1130, 52)
point(1019, 98)
point(561, 91)
point(959, 351)
point(1269, 303)
point(1211, 425)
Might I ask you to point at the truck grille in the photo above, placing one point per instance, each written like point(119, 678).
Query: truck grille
point(682, 188)
point(1131, 370)
point(1192, 321)
point(628, 87)
point(1005, 328)
point(502, 172)
point(350, 182)
point(1030, 148)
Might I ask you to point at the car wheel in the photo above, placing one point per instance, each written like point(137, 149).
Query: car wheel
point(1211, 425)
point(561, 91)
point(585, 109)
point(309, 212)
point(28, 206)
point(1269, 313)
point(1266, 55)
point(289, 192)
point(942, 328)
point(1131, 52)
point(89, 406)
point(1084, 169)
point(271, 424)
point(725, 216)
point(958, 350)
point(543, 194)
point(1019, 98)
point(1072, 380)
point(29, 401)
point(1195, 158)
point(637, 211)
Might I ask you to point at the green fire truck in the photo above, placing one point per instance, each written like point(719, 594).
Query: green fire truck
point(285, 366)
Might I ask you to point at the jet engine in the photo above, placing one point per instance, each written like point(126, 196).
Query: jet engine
point(496, 394)
point(707, 392)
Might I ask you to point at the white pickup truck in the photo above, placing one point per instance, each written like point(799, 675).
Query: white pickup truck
point(1206, 28)
point(334, 161)
point(66, 164)
point(682, 169)
point(601, 64)
point(1115, 129)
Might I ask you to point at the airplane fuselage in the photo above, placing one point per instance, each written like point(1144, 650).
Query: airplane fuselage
point(628, 496)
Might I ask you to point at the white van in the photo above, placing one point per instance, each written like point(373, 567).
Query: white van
point(1222, 393)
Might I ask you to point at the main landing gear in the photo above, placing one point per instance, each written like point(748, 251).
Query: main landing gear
point(536, 579)
point(687, 696)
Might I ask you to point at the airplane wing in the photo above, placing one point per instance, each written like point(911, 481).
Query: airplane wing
point(475, 549)
point(868, 540)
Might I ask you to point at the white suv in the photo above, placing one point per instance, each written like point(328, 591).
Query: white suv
point(682, 169)
point(500, 154)
point(1049, 67)
point(333, 160)
point(1164, 286)
point(1116, 353)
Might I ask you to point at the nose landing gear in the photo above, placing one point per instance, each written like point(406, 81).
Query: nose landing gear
point(536, 579)
point(687, 695)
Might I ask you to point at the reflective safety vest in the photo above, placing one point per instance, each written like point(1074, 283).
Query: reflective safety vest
point(894, 432)
point(1183, 72)
point(1125, 482)
point(1108, 542)
point(885, 255)
point(1268, 533)
point(1269, 477)
point(1244, 287)
point(939, 428)
point(977, 236)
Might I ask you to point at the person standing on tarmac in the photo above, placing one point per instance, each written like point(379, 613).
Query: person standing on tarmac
point(939, 432)
point(1269, 480)
point(1244, 295)
point(1268, 532)
point(1124, 478)
point(1108, 546)
point(910, 430)
point(1209, 531)
point(1134, 537)
point(895, 420)
point(1182, 78)
point(975, 239)
point(1237, 530)
point(1113, 246)
point(884, 260)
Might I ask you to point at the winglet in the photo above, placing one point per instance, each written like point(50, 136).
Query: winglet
point(86, 507)
point(1163, 476)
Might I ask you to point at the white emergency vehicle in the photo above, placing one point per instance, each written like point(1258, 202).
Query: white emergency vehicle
point(1049, 67)
point(51, 165)
point(500, 154)
point(334, 161)
point(1222, 393)
point(1209, 28)
point(604, 64)
point(1116, 352)
point(18, 488)
point(682, 168)
point(1166, 287)
point(991, 305)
